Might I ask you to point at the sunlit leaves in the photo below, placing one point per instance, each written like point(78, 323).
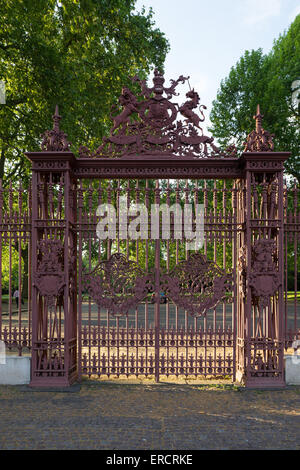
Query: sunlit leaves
point(265, 79)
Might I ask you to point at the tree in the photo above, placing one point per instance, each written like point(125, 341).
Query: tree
point(267, 79)
point(75, 53)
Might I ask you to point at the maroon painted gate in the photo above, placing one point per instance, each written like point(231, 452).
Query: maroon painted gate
point(120, 290)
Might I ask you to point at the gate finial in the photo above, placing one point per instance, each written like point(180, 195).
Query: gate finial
point(259, 140)
point(55, 140)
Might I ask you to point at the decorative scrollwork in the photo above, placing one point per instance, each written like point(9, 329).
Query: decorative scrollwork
point(118, 284)
point(148, 125)
point(197, 285)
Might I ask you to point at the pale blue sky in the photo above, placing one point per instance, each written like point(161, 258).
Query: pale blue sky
point(208, 37)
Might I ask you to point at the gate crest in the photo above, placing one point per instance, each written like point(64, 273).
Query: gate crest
point(153, 139)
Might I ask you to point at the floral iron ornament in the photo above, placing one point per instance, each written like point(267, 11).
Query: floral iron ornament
point(147, 124)
point(117, 284)
point(197, 285)
point(259, 140)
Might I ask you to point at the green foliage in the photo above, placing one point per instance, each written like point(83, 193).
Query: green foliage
point(75, 53)
point(266, 79)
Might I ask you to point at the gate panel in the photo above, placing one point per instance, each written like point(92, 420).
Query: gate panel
point(159, 335)
point(54, 332)
point(291, 262)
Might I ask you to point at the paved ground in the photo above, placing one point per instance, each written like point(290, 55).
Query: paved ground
point(110, 416)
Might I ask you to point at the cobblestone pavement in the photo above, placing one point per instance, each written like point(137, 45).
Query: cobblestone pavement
point(116, 416)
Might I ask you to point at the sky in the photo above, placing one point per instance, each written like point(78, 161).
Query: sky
point(207, 38)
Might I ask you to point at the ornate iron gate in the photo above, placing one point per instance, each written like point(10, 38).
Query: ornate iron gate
point(154, 306)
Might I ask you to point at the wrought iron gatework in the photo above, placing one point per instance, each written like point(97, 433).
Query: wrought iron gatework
point(142, 310)
point(15, 264)
point(152, 306)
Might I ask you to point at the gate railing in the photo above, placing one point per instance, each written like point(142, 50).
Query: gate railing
point(291, 262)
point(15, 265)
point(49, 259)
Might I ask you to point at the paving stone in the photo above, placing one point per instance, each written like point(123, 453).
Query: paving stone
point(114, 416)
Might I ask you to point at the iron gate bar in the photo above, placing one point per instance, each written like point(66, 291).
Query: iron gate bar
point(157, 305)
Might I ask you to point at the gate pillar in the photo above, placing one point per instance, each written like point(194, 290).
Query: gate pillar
point(54, 289)
point(260, 339)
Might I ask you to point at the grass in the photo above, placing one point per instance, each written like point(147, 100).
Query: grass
point(291, 295)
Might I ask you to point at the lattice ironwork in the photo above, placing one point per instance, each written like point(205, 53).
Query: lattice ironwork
point(152, 307)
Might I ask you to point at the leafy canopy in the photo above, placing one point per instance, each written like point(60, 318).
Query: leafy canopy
point(75, 53)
